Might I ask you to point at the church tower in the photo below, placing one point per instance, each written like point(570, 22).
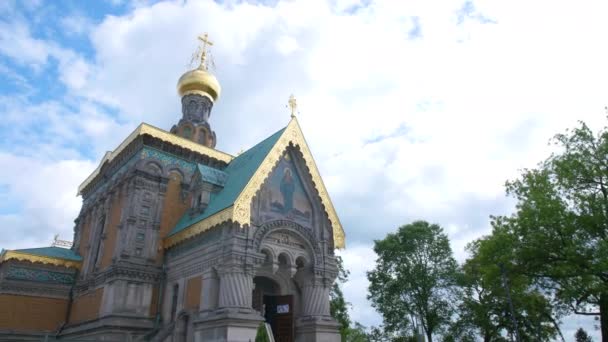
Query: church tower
point(198, 90)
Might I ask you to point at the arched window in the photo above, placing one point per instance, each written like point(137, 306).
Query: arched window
point(202, 136)
point(187, 132)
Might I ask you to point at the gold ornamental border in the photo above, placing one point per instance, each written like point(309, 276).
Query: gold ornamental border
point(163, 135)
point(14, 255)
point(199, 227)
point(241, 210)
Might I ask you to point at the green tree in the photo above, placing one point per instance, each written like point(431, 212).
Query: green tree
point(380, 334)
point(338, 306)
point(484, 308)
point(414, 277)
point(581, 336)
point(357, 333)
point(561, 223)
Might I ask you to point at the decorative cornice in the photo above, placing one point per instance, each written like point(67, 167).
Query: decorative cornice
point(122, 271)
point(14, 255)
point(160, 134)
point(240, 211)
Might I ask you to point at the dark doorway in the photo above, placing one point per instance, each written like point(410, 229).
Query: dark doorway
point(279, 314)
point(263, 287)
point(277, 310)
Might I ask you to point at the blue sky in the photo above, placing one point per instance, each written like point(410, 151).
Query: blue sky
point(412, 109)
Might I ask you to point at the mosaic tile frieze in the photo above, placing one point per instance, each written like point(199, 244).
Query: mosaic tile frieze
point(168, 161)
point(119, 173)
point(41, 276)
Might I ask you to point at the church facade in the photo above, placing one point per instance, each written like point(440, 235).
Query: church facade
point(177, 241)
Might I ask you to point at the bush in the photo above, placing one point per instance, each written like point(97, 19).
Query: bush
point(261, 335)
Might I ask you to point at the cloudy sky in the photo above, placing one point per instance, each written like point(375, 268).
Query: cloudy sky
point(412, 109)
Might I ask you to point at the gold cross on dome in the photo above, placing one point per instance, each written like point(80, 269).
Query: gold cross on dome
point(293, 105)
point(204, 38)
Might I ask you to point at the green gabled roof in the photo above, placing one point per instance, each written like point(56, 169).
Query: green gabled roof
point(52, 252)
point(239, 171)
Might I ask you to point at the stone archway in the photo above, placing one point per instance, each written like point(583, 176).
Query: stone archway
point(287, 253)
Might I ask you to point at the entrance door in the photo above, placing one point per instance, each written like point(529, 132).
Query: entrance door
point(279, 314)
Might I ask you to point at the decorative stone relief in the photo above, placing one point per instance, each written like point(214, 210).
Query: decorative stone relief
point(283, 225)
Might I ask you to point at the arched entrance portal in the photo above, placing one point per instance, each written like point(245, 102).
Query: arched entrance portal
point(276, 309)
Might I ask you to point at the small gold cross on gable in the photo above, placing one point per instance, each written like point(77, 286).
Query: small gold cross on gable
point(293, 105)
point(205, 39)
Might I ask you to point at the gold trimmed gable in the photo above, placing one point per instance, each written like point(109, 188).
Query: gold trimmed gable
point(292, 134)
point(14, 255)
point(240, 211)
point(160, 134)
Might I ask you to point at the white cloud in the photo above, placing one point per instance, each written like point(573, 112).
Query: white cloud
point(287, 45)
point(45, 190)
point(76, 24)
point(16, 42)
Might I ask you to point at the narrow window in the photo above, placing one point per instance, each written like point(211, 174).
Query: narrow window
point(174, 301)
point(140, 236)
point(137, 251)
point(97, 251)
point(202, 136)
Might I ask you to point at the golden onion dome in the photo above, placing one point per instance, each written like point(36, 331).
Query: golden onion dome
point(199, 81)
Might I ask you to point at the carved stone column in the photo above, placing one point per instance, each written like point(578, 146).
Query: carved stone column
point(316, 324)
point(210, 290)
point(235, 288)
point(234, 319)
point(315, 298)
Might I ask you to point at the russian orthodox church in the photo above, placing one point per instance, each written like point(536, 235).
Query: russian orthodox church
point(178, 241)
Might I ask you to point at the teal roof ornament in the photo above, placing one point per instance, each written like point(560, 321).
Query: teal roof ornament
point(52, 252)
point(212, 175)
point(57, 256)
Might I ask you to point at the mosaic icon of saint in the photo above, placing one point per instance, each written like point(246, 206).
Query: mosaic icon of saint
point(287, 189)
